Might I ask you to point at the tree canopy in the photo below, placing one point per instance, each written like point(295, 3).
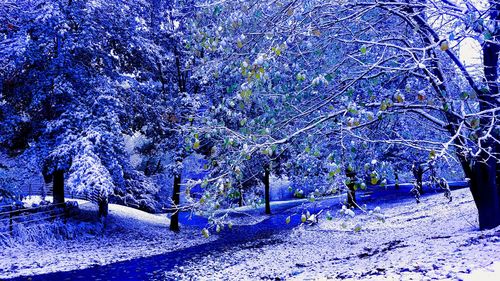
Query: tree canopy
point(309, 89)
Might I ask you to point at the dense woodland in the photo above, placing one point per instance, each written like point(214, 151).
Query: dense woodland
point(101, 96)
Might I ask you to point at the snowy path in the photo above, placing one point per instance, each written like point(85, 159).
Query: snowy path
point(154, 267)
point(424, 241)
point(429, 240)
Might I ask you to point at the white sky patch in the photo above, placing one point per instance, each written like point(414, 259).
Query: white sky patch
point(470, 55)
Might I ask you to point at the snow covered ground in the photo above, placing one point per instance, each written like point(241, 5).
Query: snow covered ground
point(433, 240)
point(129, 234)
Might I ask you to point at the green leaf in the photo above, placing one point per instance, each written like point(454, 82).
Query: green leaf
point(363, 50)
point(474, 123)
point(432, 154)
point(357, 228)
point(217, 10)
point(204, 183)
point(245, 94)
point(487, 35)
point(288, 219)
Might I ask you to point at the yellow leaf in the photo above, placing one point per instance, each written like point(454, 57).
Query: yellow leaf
point(444, 46)
point(205, 233)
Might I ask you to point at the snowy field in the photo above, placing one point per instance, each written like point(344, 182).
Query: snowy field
point(433, 240)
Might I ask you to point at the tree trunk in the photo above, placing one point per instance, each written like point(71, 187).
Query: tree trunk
point(418, 173)
point(240, 199)
point(486, 194)
point(484, 185)
point(58, 187)
point(483, 175)
point(267, 190)
point(396, 179)
point(103, 207)
point(351, 192)
point(174, 219)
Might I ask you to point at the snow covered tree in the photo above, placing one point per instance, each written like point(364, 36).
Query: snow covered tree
point(80, 69)
point(358, 71)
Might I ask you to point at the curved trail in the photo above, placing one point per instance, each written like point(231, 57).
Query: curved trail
point(155, 267)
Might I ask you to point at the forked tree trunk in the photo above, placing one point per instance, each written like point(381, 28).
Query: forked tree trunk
point(58, 187)
point(174, 219)
point(267, 191)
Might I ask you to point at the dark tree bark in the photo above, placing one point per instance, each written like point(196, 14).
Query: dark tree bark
point(418, 173)
point(396, 177)
point(174, 219)
point(485, 193)
point(103, 207)
point(267, 190)
point(58, 186)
